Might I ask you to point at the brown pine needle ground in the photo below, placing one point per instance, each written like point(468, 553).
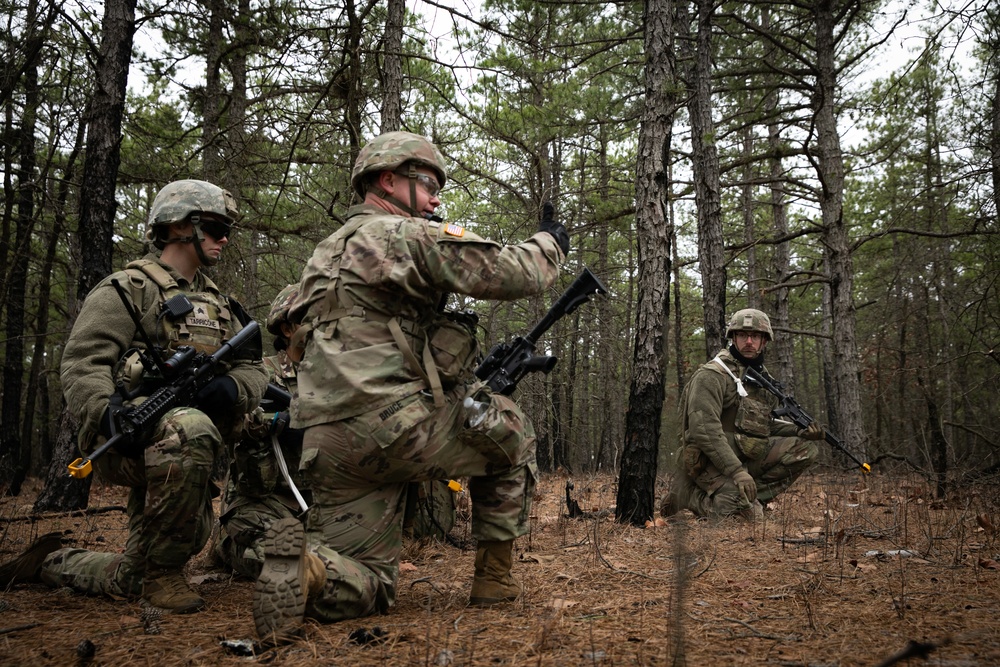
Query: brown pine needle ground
point(844, 571)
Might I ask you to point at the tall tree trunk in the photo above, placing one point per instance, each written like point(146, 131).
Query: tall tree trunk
point(392, 70)
point(636, 482)
point(679, 356)
point(12, 468)
point(239, 177)
point(606, 401)
point(994, 144)
point(755, 294)
point(39, 358)
point(830, 165)
point(355, 95)
point(211, 160)
point(783, 364)
point(707, 184)
point(9, 196)
point(97, 217)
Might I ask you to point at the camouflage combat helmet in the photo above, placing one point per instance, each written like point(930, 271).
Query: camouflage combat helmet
point(750, 319)
point(279, 308)
point(388, 151)
point(182, 200)
point(179, 199)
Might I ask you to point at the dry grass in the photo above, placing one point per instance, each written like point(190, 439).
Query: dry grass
point(797, 590)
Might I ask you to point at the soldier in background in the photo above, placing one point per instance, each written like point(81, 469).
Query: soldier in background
point(170, 504)
point(262, 484)
point(381, 387)
point(734, 455)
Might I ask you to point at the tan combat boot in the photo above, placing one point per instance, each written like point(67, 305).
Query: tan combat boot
point(289, 577)
point(169, 589)
point(27, 565)
point(493, 582)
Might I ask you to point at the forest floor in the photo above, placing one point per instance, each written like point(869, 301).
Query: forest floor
point(843, 571)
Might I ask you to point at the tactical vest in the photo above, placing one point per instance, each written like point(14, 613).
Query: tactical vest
point(448, 345)
point(205, 328)
point(750, 420)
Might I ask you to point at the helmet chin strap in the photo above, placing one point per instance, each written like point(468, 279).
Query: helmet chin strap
point(410, 208)
point(197, 239)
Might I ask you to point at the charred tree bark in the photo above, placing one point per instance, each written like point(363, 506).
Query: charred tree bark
point(97, 217)
point(636, 482)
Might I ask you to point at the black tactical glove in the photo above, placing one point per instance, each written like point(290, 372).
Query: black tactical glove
point(280, 422)
point(218, 397)
point(106, 427)
point(288, 437)
point(556, 229)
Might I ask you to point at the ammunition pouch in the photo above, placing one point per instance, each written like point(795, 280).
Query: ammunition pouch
point(454, 347)
point(753, 424)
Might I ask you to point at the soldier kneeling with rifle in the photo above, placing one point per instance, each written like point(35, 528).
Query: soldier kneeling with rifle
point(734, 454)
point(159, 368)
point(383, 384)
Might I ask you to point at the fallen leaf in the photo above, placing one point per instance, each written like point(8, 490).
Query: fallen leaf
point(529, 557)
point(562, 603)
point(985, 523)
point(407, 566)
point(989, 564)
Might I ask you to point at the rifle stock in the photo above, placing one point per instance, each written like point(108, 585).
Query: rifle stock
point(790, 408)
point(507, 363)
point(193, 373)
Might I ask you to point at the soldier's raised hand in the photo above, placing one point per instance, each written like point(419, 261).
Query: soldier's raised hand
point(558, 231)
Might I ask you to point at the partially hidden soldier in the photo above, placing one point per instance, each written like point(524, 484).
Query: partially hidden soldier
point(263, 484)
point(734, 456)
point(170, 503)
point(380, 392)
point(431, 509)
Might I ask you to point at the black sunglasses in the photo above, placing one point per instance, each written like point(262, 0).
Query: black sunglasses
point(217, 229)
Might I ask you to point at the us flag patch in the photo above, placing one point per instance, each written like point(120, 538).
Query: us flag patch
point(454, 230)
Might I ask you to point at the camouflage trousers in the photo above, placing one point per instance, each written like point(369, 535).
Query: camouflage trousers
point(243, 520)
point(358, 470)
point(255, 495)
point(169, 509)
point(713, 494)
point(242, 524)
point(430, 510)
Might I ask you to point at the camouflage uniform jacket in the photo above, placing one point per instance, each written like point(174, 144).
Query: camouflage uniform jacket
point(394, 266)
point(718, 423)
point(104, 332)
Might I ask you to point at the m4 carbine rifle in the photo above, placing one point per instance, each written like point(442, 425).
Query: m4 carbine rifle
point(508, 363)
point(183, 375)
point(790, 408)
